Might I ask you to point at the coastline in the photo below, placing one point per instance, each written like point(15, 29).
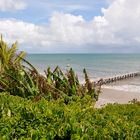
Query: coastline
point(115, 96)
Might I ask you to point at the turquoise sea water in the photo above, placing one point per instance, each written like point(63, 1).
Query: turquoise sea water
point(97, 65)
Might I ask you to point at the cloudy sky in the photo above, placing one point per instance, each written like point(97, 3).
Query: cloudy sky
point(72, 26)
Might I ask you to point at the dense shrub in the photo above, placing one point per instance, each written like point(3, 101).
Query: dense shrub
point(24, 119)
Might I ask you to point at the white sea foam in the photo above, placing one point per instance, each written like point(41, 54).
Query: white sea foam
point(129, 88)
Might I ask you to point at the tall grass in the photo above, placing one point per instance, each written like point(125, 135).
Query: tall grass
point(24, 80)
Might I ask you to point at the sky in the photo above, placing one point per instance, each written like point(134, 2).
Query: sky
point(72, 26)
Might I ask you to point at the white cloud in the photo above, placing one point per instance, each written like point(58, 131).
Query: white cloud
point(123, 18)
point(68, 28)
point(11, 5)
point(23, 32)
point(119, 25)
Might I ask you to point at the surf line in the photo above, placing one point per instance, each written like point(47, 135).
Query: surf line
point(104, 81)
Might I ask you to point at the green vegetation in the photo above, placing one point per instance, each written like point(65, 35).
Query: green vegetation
point(56, 106)
point(19, 77)
point(78, 120)
point(8, 56)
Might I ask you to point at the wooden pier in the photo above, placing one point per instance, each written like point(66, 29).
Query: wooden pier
point(104, 81)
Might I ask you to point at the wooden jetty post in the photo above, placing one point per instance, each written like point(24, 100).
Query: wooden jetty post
point(116, 78)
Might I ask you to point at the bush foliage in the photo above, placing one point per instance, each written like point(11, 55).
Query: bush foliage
point(24, 119)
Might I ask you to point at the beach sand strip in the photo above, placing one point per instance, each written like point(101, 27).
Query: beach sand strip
point(115, 96)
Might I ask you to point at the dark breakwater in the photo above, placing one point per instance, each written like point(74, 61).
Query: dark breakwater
point(105, 81)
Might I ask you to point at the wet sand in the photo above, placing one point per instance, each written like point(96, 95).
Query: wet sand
point(116, 96)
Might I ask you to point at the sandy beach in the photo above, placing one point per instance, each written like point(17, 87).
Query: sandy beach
point(116, 96)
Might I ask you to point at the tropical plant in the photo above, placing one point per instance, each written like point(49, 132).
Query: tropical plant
point(20, 77)
point(9, 56)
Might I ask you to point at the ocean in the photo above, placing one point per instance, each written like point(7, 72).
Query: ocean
point(97, 66)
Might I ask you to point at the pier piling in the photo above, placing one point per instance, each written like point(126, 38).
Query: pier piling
point(116, 78)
